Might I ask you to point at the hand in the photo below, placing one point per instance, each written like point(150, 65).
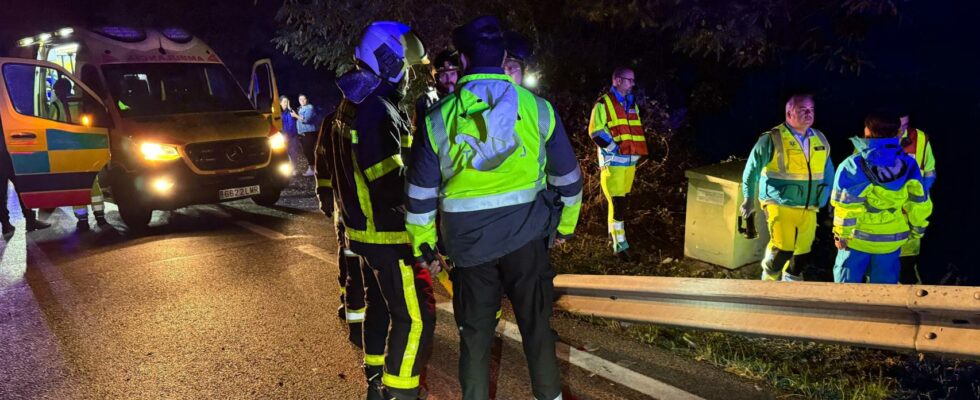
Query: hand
point(747, 208)
point(841, 244)
point(560, 242)
point(434, 267)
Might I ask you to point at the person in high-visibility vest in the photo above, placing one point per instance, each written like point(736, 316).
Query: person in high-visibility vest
point(791, 172)
point(917, 145)
point(496, 165)
point(616, 129)
point(367, 128)
point(880, 202)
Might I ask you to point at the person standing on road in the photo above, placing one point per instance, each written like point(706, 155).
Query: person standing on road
point(791, 172)
point(495, 160)
point(366, 131)
point(306, 128)
point(880, 202)
point(289, 129)
point(7, 177)
point(917, 145)
point(617, 131)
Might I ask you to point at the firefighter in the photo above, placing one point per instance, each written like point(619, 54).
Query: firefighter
point(495, 160)
point(366, 132)
point(616, 129)
point(352, 307)
point(791, 172)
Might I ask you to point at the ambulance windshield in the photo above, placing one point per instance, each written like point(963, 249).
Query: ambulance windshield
point(154, 89)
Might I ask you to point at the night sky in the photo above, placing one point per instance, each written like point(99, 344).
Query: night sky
point(930, 60)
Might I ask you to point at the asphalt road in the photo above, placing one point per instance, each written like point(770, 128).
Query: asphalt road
point(237, 301)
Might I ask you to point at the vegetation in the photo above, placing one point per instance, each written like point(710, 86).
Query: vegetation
point(666, 42)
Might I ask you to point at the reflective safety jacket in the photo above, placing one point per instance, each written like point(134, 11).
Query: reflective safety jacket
point(616, 128)
point(779, 170)
point(916, 144)
point(485, 157)
point(878, 198)
point(367, 166)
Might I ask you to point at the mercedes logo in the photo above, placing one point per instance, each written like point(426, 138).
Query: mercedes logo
point(234, 153)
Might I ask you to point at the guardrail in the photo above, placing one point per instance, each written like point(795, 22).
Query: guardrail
point(924, 318)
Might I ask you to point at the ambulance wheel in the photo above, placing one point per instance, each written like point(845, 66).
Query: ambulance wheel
point(268, 196)
point(135, 215)
point(136, 218)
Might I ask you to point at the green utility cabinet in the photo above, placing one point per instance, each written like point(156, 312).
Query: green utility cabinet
point(711, 229)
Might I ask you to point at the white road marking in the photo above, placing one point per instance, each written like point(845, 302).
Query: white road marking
point(594, 364)
point(318, 253)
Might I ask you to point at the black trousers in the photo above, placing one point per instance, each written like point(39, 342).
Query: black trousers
point(401, 316)
point(308, 140)
point(526, 276)
point(7, 175)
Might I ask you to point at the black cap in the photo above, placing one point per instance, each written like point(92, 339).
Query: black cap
point(446, 61)
point(484, 30)
point(518, 47)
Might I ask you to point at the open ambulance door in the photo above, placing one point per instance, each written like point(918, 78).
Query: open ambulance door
point(55, 130)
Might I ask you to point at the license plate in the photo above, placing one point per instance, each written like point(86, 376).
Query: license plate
point(235, 193)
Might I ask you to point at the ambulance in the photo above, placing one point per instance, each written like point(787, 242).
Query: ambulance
point(181, 130)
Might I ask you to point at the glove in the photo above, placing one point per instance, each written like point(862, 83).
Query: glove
point(747, 208)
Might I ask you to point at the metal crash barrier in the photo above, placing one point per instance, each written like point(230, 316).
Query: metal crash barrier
point(924, 318)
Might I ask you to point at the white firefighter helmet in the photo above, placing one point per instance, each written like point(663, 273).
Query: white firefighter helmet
point(389, 48)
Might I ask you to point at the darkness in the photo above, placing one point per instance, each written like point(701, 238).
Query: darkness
point(928, 59)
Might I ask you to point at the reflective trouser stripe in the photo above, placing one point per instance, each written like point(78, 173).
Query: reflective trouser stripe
point(356, 315)
point(374, 360)
point(405, 379)
point(324, 183)
point(97, 202)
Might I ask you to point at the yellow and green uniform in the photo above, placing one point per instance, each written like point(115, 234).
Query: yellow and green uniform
point(368, 184)
point(792, 182)
point(617, 130)
point(879, 203)
point(494, 161)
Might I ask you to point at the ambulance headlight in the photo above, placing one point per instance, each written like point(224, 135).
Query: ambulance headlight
point(277, 141)
point(159, 152)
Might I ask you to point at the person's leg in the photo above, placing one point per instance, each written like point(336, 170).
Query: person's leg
point(612, 180)
point(908, 261)
point(476, 301)
point(850, 266)
point(806, 228)
point(375, 326)
point(782, 237)
point(98, 203)
point(885, 267)
point(407, 289)
point(528, 280)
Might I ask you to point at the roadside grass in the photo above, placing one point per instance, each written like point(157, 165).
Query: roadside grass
point(802, 369)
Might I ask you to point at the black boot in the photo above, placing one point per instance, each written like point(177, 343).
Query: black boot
point(32, 224)
point(82, 225)
point(8, 229)
point(100, 220)
point(375, 389)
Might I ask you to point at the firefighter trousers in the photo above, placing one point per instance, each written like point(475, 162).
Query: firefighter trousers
point(401, 314)
point(526, 276)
